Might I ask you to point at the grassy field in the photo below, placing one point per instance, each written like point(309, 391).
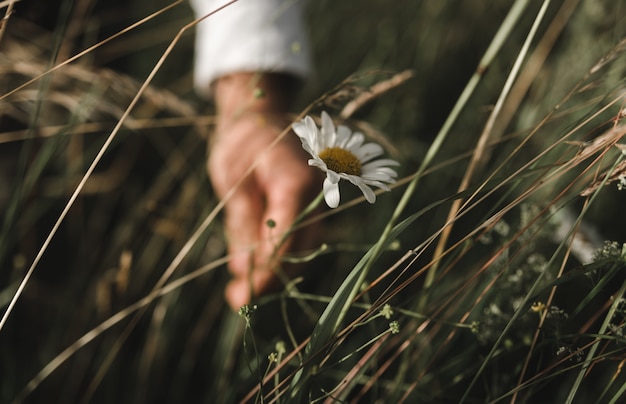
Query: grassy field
point(494, 271)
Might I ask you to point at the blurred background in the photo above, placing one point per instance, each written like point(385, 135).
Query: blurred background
point(151, 192)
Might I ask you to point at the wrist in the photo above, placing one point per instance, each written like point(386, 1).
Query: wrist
point(243, 93)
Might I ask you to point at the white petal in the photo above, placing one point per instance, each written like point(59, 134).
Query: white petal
point(378, 184)
point(343, 136)
point(355, 179)
point(307, 131)
point(367, 172)
point(332, 176)
point(316, 162)
point(377, 176)
point(368, 152)
point(367, 191)
point(297, 126)
point(380, 163)
point(328, 132)
point(355, 141)
point(307, 147)
point(385, 170)
point(331, 193)
point(313, 134)
point(300, 130)
point(345, 176)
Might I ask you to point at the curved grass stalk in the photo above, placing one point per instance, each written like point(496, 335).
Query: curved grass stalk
point(524, 306)
point(336, 311)
point(5, 20)
point(479, 150)
point(94, 163)
point(184, 250)
point(603, 328)
point(594, 347)
point(546, 179)
point(92, 334)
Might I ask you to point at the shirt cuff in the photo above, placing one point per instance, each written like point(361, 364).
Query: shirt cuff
point(249, 36)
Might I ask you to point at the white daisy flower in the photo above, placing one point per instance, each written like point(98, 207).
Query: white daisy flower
point(342, 154)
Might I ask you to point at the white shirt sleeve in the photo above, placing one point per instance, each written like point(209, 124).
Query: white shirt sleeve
point(249, 36)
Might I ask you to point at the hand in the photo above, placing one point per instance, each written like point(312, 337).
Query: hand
point(278, 189)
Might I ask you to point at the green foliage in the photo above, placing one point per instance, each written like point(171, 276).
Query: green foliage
point(485, 284)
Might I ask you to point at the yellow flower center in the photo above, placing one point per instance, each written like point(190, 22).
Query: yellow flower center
point(341, 161)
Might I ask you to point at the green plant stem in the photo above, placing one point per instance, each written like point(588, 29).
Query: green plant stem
point(91, 168)
point(594, 347)
point(618, 394)
point(362, 347)
point(5, 19)
point(507, 26)
point(248, 330)
point(503, 33)
point(526, 304)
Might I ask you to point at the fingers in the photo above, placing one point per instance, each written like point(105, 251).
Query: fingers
point(243, 213)
point(262, 275)
point(252, 274)
point(289, 185)
point(278, 188)
point(255, 246)
point(284, 203)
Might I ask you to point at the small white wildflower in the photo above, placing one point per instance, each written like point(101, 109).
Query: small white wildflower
point(556, 313)
point(493, 309)
point(617, 330)
point(246, 311)
point(538, 307)
point(502, 228)
point(517, 276)
point(486, 238)
point(609, 250)
point(516, 303)
point(386, 311)
point(394, 327)
point(621, 185)
point(281, 349)
point(537, 262)
point(342, 154)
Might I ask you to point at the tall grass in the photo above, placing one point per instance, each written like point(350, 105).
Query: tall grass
point(493, 271)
